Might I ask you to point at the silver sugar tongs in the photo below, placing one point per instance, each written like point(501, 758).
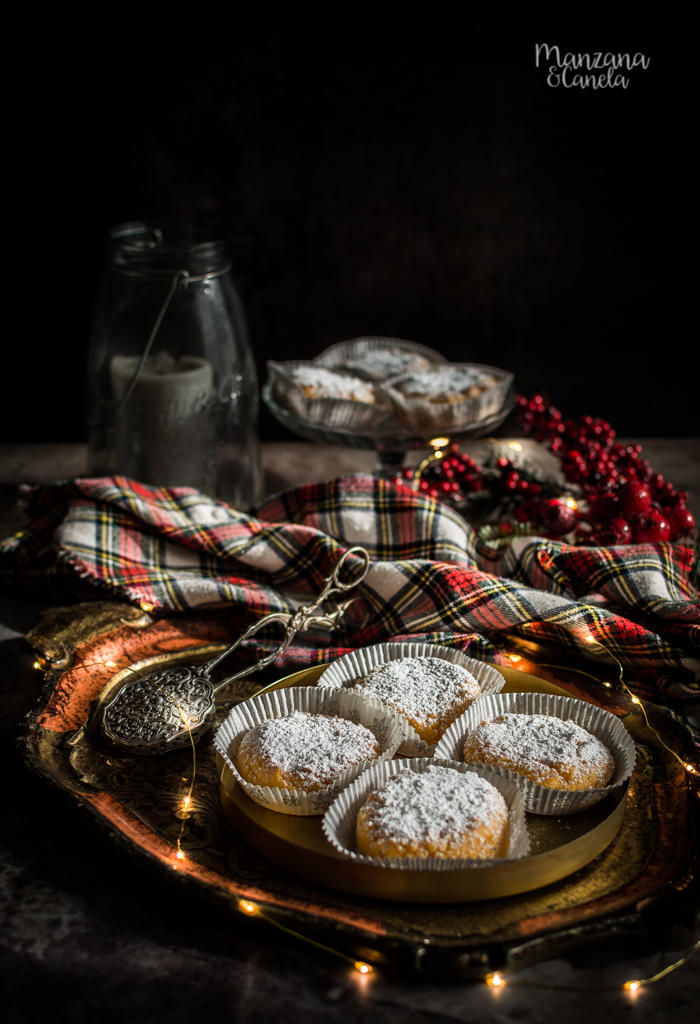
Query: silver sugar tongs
point(169, 709)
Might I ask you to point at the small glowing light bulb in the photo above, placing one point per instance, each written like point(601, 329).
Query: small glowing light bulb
point(495, 980)
point(111, 664)
point(246, 907)
point(186, 801)
point(439, 442)
point(180, 855)
point(636, 700)
point(590, 640)
point(515, 445)
point(607, 684)
point(691, 769)
point(631, 986)
point(571, 503)
point(37, 665)
point(362, 967)
point(515, 657)
point(146, 606)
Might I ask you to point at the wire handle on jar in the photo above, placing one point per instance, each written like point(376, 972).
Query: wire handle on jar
point(181, 275)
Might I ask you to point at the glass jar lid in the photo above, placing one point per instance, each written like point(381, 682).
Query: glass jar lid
point(157, 249)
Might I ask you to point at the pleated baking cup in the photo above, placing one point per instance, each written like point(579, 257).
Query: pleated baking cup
point(541, 799)
point(341, 413)
point(353, 351)
point(340, 820)
point(419, 413)
point(386, 725)
point(353, 667)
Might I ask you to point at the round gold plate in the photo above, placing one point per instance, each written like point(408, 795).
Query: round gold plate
point(560, 846)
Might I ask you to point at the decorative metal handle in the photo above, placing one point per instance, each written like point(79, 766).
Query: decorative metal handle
point(298, 621)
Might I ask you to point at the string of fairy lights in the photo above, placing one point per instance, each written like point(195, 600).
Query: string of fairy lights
point(495, 980)
point(690, 768)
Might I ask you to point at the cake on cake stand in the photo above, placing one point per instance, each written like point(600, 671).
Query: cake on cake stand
point(390, 441)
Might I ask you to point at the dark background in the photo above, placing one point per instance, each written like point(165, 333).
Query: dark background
point(419, 181)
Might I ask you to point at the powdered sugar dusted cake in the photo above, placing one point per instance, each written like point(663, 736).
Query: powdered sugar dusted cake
point(317, 382)
point(303, 751)
point(436, 813)
point(451, 383)
point(378, 363)
point(430, 693)
point(327, 396)
point(553, 753)
point(449, 395)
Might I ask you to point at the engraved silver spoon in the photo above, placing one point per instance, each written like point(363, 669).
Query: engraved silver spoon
point(172, 708)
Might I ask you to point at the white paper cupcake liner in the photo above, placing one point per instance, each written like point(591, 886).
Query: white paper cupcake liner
point(540, 799)
point(342, 413)
point(340, 820)
point(346, 671)
point(421, 414)
point(344, 352)
point(386, 725)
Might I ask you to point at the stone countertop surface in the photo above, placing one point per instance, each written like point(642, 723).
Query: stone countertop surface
point(86, 935)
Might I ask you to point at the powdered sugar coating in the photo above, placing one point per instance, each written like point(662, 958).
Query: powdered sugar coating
point(445, 383)
point(304, 751)
point(317, 382)
point(378, 363)
point(553, 753)
point(430, 692)
point(436, 813)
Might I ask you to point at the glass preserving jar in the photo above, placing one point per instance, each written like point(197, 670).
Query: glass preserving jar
point(172, 392)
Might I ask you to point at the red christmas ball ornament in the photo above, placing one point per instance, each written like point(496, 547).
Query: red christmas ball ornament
point(653, 530)
point(558, 517)
point(635, 498)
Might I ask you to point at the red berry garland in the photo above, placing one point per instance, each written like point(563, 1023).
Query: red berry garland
point(452, 477)
point(627, 501)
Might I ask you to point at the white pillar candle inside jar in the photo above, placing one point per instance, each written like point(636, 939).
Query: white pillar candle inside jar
point(164, 428)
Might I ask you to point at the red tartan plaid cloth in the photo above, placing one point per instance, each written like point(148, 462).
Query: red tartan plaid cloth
point(430, 577)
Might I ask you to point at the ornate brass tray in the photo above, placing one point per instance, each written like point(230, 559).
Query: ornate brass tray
point(560, 846)
point(647, 873)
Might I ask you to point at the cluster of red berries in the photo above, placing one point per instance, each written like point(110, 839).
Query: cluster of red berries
point(635, 513)
point(452, 477)
point(456, 475)
point(628, 502)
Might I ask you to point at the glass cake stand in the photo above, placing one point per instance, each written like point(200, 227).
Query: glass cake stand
point(390, 441)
